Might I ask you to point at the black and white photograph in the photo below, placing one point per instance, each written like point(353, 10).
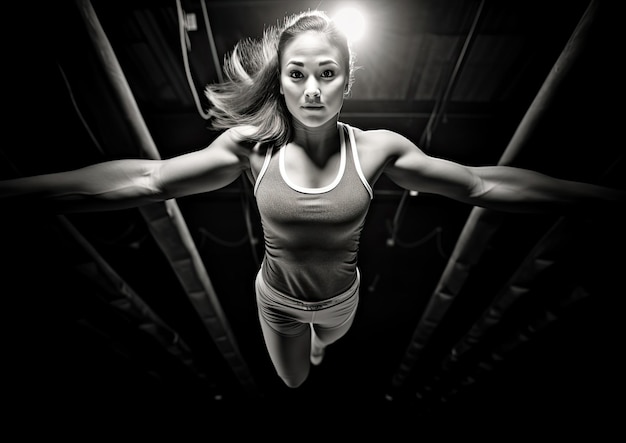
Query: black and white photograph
point(392, 219)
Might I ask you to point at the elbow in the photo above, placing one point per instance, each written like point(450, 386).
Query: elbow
point(149, 184)
point(478, 189)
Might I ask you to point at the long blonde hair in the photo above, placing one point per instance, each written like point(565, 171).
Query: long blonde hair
point(250, 93)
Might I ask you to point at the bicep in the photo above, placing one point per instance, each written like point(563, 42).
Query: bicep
point(412, 169)
point(208, 169)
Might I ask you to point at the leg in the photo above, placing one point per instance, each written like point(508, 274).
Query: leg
point(287, 335)
point(317, 348)
point(329, 325)
point(289, 353)
point(326, 333)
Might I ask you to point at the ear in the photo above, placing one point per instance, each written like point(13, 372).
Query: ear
point(281, 90)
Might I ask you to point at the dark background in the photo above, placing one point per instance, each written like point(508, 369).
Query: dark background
point(80, 353)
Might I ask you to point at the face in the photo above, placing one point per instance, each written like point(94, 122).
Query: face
point(312, 79)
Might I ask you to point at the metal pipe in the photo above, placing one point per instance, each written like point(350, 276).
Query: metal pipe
point(482, 223)
point(165, 220)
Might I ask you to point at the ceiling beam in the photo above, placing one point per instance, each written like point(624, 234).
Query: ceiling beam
point(165, 220)
point(482, 223)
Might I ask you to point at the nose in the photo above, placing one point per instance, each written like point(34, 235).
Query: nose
point(312, 93)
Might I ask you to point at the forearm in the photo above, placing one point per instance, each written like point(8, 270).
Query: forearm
point(520, 190)
point(111, 185)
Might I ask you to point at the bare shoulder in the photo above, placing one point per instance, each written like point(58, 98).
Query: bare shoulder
point(382, 141)
point(237, 140)
point(377, 148)
point(382, 145)
point(241, 137)
point(246, 147)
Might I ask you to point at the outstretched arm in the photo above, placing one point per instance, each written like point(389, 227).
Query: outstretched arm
point(119, 184)
point(503, 188)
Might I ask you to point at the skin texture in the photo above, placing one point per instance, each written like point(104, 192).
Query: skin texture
point(312, 79)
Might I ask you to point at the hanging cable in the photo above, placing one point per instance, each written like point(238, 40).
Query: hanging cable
point(209, 32)
point(184, 47)
point(421, 241)
point(440, 105)
point(77, 109)
point(438, 111)
point(395, 224)
point(247, 192)
point(435, 233)
point(219, 241)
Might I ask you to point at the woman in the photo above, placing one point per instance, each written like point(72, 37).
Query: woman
point(312, 176)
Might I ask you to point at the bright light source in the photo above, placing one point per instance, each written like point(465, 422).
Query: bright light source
point(352, 22)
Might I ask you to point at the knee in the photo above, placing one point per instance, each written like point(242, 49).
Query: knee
point(294, 381)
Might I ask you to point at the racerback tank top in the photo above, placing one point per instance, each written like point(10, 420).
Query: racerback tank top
point(312, 235)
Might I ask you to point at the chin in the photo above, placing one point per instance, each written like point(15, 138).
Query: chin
point(314, 121)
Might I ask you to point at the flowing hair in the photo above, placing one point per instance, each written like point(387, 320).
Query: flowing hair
point(250, 93)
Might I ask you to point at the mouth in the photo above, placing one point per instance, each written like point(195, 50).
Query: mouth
point(312, 107)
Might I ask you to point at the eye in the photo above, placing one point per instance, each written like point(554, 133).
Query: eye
point(296, 74)
point(328, 73)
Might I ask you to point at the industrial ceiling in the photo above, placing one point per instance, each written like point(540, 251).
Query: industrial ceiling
point(465, 314)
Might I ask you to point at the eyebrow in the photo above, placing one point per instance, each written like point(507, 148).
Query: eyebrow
point(322, 63)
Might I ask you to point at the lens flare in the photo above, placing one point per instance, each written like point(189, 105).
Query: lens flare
point(352, 22)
